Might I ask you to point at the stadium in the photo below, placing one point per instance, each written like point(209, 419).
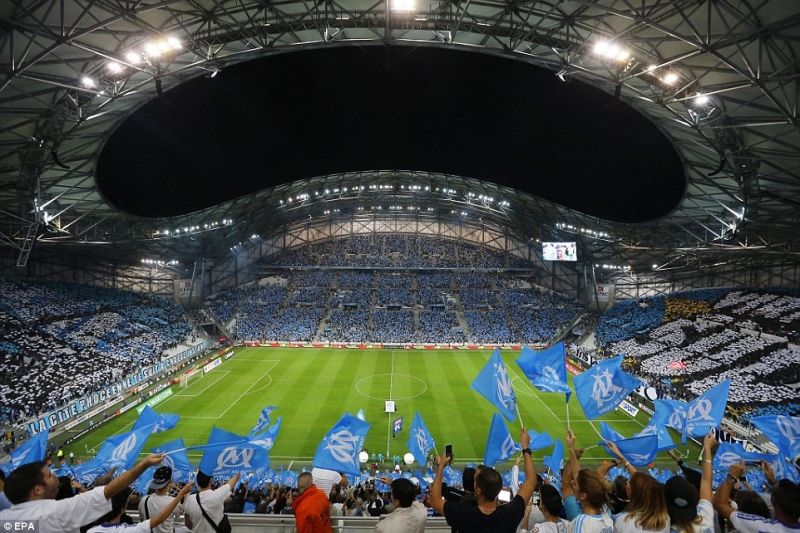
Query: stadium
point(259, 222)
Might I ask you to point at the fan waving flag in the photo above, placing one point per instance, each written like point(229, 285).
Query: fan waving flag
point(176, 458)
point(267, 439)
point(34, 449)
point(602, 387)
point(639, 451)
point(730, 453)
point(553, 462)
point(500, 446)
point(546, 369)
point(494, 384)
point(159, 422)
point(228, 453)
point(670, 413)
point(706, 411)
point(263, 420)
point(664, 440)
point(539, 440)
point(121, 451)
point(420, 441)
point(783, 431)
point(340, 447)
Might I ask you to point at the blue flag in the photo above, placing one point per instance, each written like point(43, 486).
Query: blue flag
point(539, 440)
point(664, 440)
point(494, 384)
point(122, 451)
point(783, 431)
point(177, 459)
point(546, 369)
point(670, 413)
point(159, 422)
point(610, 434)
point(340, 447)
point(730, 453)
point(639, 451)
point(500, 446)
point(706, 411)
point(602, 387)
point(87, 472)
point(142, 483)
point(34, 449)
point(420, 441)
point(228, 453)
point(263, 420)
point(554, 461)
point(267, 439)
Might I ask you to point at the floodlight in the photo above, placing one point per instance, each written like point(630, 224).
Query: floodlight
point(403, 5)
point(701, 99)
point(670, 78)
point(114, 67)
point(134, 58)
point(88, 82)
point(174, 43)
point(622, 55)
point(601, 48)
point(152, 49)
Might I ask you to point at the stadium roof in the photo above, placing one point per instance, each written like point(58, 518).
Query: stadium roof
point(718, 79)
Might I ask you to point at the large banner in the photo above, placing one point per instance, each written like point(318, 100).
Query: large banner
point(111, 391)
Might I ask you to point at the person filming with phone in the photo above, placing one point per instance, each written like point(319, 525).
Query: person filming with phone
point(488, 515)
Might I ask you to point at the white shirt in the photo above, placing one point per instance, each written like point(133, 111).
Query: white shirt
point(706, 513)
point(550, 527)
point(155, 504)
point(624, 522)
point(214, 504)
point(325, 479)
point(591, 523)
point(404, 520)
point(141, 527)
point(62, 516)
point(749, 523)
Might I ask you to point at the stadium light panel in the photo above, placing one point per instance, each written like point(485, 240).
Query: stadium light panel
point(701, 99)
point(670, 78)
point(403, 5)
point(152, 49)
point(114, 67)
point(132, 57)
point(88, 82)
point(174, 43)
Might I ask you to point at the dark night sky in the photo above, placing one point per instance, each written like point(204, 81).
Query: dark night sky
point(315, 112)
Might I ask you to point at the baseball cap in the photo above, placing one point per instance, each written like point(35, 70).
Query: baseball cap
point(682, 498)
point(161, 478)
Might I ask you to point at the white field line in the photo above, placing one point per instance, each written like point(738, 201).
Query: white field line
point(220, 374)
point(266, 373)
point(530, 388)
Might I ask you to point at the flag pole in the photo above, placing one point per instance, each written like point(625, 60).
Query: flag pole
point(204, 446)
point(516, 406)
point(569, 427)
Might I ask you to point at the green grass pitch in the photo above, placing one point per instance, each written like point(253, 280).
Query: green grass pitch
point(313, 387)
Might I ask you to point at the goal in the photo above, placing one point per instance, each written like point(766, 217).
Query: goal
point(185, 379)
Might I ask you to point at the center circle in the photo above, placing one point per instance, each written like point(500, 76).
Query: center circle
point(403, 386)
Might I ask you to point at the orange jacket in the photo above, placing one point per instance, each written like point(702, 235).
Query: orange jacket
point(312, 511)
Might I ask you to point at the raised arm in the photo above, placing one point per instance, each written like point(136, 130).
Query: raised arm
point(708, 458)
point(437, 503)
point(527, 488)
point(574, 462)
point(125, 479)
point(167, 511)
point(722, 499)
point(234, 480)
point(621, 458)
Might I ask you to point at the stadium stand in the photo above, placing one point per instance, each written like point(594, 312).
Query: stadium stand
point(68, 340)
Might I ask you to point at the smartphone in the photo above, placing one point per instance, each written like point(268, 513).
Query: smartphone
point(535, 498)
point(504, 496)
point(448, 451)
